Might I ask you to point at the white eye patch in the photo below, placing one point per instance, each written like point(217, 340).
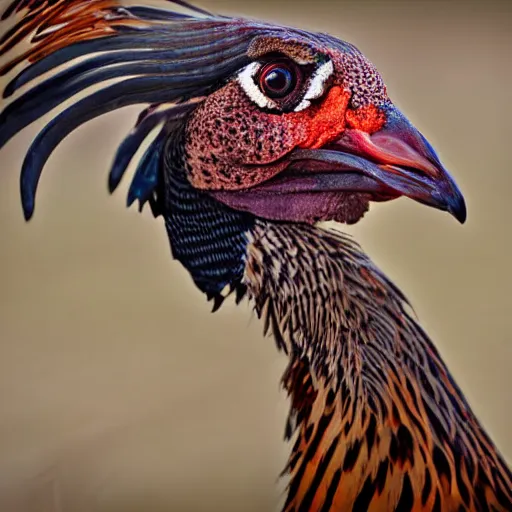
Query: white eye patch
point(316, 85)
point(315, 89)
point(246, 80)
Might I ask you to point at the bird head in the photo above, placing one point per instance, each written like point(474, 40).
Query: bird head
point(306, 132)
point(278, 122)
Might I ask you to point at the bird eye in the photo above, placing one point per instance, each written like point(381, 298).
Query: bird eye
point(278, 79)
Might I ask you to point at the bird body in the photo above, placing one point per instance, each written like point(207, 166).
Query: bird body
point(379, 422)
point(259, 132)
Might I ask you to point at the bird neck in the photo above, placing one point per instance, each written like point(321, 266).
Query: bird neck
point(208, 238)
point(380, 423)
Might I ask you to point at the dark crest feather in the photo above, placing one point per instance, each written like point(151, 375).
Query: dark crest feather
point(128, 55)
point(146, 176)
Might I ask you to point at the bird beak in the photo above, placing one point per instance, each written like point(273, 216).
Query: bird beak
point(392, 162)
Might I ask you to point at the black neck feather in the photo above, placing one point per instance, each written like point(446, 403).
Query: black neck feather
point(208, 238)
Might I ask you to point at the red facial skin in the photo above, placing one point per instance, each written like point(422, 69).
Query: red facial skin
point(232, 144)
point(368, 119)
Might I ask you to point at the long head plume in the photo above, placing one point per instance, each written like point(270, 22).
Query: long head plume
point(103, 55)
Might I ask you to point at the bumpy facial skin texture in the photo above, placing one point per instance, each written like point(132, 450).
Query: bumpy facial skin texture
point(232, 144)
point(227, 134)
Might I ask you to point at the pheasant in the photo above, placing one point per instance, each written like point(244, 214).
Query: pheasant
point(257, 133)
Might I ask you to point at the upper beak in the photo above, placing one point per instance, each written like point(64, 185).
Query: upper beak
point(397, 160)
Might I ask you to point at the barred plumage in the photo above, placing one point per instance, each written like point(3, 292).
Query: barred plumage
point(381, 425)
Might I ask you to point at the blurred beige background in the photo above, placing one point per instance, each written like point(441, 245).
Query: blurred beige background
point(119, 391)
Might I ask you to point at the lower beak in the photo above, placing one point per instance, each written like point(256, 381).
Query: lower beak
point(395, 161)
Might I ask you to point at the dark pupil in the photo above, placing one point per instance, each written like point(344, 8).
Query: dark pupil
point(278, 82)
